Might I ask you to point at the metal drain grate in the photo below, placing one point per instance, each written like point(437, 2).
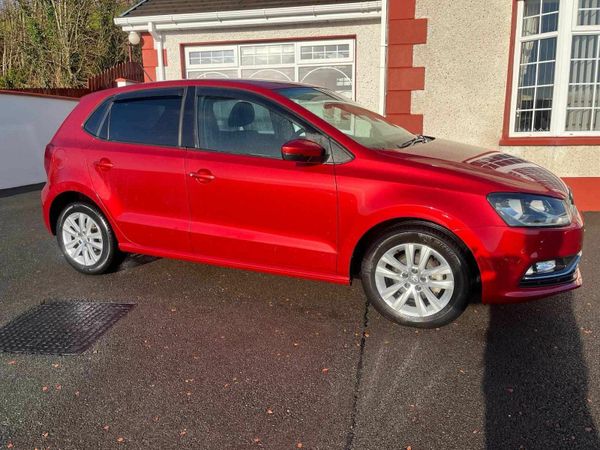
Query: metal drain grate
point(60, 328)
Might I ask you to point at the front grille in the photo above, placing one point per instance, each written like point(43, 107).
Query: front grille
point(566, 273)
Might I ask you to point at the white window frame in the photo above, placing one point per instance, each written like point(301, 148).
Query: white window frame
point(189, 66)
point(349, 61)
point(567, 28)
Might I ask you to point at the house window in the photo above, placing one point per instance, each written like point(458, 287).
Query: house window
point(556, 84)
point(329, 63)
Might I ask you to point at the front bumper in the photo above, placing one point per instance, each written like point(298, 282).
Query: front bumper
point(504, 254)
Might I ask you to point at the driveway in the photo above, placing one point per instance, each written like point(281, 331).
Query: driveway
point(214, 358)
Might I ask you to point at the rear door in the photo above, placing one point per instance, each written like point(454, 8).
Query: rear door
point(137, 167)
point(248, 206)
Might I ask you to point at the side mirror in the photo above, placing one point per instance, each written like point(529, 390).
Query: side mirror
point(303, 150)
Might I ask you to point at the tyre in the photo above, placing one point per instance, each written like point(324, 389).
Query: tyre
point(86, 239)
point(417, 277)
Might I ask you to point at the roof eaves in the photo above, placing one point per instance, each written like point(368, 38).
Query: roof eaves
point(340, 11)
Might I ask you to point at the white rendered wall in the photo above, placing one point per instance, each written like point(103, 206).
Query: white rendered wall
point(27, 123)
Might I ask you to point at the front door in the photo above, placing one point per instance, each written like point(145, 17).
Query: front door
point(138, 169)
point(248, 206)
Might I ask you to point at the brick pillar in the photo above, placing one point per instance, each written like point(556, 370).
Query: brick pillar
point(150, 57)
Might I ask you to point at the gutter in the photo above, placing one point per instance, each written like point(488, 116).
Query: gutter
point(254, 17)
point(383, 57)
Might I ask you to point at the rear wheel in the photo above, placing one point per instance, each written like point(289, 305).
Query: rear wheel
point(86, 239)
point(416, 277)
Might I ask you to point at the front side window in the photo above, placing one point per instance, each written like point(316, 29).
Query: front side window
point(556, 78)
point(328, 63)
point(232, 125)
point(145, 120)
point(364, 126)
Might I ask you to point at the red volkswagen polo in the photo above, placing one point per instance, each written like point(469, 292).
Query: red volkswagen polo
point(297, 180)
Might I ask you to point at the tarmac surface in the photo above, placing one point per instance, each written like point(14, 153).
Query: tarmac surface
point(214, 358)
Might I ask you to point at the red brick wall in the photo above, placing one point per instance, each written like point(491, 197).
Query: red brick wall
point(405, 31)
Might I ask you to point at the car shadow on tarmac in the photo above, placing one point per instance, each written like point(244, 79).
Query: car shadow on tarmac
point(535, 381)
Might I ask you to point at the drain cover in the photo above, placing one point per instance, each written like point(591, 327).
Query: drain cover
point(60, 328)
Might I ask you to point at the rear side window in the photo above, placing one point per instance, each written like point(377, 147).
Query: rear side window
point(146, 120)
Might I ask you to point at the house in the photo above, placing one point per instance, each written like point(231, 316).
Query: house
point(520, 76)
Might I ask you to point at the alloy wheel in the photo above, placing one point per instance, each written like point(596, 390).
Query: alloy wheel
point(414, 279)
point(82, 239)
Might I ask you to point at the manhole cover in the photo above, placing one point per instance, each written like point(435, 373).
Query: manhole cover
point(60, 328)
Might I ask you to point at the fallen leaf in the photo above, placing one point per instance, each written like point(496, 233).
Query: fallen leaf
point(9, 445)
point(183, 432)
point(58, 387)
point(325, 370)
point(44, 388)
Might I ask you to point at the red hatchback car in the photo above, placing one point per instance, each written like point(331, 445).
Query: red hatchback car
point(297, 180)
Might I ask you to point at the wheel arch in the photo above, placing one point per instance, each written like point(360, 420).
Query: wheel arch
point(66, 198)
point(377, 230)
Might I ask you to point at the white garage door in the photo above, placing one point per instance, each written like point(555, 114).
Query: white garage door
point(328, 63)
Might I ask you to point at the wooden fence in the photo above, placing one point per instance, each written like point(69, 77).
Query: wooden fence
point(104, 80)
point(55, 92)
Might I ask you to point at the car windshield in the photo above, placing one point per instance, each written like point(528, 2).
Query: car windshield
point(365, 127)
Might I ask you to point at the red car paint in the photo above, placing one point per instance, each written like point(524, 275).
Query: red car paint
point(305, 220)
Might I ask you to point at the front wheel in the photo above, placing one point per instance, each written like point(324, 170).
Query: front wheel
point(86, 239)
point(416, 277)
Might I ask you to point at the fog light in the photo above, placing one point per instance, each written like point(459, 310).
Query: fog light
point(542, 267)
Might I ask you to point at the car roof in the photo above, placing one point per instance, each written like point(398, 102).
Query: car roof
point(219, 83)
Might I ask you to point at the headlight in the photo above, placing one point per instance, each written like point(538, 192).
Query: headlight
point(526, 210)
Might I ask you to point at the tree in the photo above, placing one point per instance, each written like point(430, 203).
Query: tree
point(58, 43)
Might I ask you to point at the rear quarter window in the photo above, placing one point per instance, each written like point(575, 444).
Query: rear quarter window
point(93, 123)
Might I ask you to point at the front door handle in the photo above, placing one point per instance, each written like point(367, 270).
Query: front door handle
point(103, 164)
point(202, 176)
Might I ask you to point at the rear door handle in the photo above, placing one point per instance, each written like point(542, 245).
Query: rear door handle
point(202, 176)
point(103, 164)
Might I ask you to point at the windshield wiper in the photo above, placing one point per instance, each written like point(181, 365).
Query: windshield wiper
point(418, 139)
